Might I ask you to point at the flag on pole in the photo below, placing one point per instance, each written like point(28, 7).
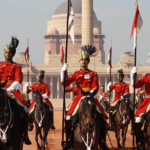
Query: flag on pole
point(62, 55)
point(71, 22)
point(27, 56)
point(137, 24)
point(109, 60)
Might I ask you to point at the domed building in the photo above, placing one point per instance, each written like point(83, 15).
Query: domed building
point(56, 35)
point(55, 38)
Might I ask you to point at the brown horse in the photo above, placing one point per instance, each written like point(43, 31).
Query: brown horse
point(10, 124)
point(90, 133)
point(122, 120)
point(41, 116)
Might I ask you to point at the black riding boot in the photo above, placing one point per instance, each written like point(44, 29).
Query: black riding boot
point(24, 126)
point(52, 119)
point(69, 135)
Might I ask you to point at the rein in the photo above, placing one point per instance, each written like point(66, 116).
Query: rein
point(3, 136)
point(41, 116)
point(86, 139)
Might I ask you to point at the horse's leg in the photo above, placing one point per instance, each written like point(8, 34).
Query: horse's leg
point(45, 133)
point(124, 132)
point(36, 137)
point(117, 133)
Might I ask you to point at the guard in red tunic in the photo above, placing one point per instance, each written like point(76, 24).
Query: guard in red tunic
point(44, 88)
point(11, 72)
point(86, 80)
point(102, 95)
point(145, 105)
point(103, 99)
point(121, 88)
point(140, 94)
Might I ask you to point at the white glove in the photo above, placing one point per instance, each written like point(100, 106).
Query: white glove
point(45, 96)
point(10, 89)
point(14, 86)
point(63, 69)
point(133, 72)
point(108, 86)
point(100, 98)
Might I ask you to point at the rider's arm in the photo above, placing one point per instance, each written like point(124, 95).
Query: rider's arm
point(69, 80)
point(95, 85)
point(127, 90)
point(47, 89)
point(112, 87)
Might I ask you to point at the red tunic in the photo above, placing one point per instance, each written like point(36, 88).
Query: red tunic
point(86, 80)
point(43, 87)
point(144, 80)
point(12, 72)
point(120, 89)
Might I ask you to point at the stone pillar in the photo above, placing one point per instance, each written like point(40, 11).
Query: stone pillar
point(87, 22)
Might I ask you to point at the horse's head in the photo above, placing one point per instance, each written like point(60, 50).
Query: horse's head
point(87, 111)
point(39, 100)
point(3, 103)
point(125, 104)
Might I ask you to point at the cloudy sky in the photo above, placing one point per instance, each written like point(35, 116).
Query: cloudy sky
point(28, 19)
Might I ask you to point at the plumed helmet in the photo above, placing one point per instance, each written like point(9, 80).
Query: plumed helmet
point(87, 51)
point(41, 74)
point(12, 46)
point(120, 72)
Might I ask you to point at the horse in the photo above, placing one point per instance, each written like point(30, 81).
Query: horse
point(105, 105)
point(122, 120)
point(90, 132)
point(42, 120)
point(11, 137)
point(143, 132)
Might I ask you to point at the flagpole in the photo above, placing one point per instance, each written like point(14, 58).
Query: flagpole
point(65, 75)
point(110, 78)
point(27, 97)
point(134, 92)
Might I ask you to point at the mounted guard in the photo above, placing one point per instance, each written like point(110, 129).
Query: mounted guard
point(12, 73)
point(42, 87)
point(121, 88)
point(86, 80)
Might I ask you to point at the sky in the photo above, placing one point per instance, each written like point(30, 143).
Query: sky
point(27, 19)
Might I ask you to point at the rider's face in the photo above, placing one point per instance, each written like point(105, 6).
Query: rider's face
point(83, 63)
point(120, 78)
point(8, 54)
point(39, 79)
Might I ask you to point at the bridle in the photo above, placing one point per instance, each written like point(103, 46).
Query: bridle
point(3, 136)
point(42, 115)
point(86, 139)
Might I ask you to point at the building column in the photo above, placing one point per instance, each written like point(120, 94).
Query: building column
point(87, 22)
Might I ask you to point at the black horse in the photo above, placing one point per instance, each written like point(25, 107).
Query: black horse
point(11, 135)
point(90, 133)
point(42, 120)
point(122, 120)
point(142, 132)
